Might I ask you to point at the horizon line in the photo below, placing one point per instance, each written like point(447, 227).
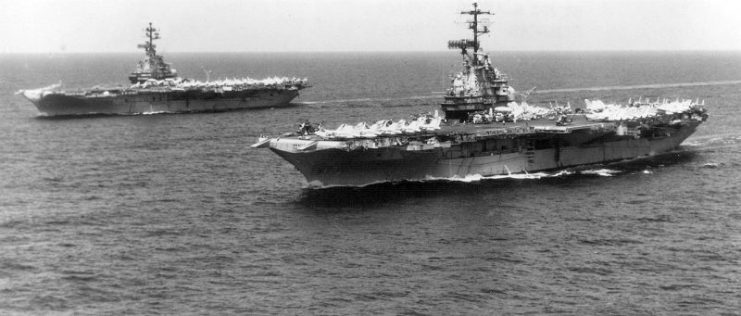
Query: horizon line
point(389, 51)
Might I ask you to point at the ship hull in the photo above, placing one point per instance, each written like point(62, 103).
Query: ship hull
point(326, 168)
point(60, 104)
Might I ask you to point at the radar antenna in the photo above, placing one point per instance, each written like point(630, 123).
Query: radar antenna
point(480, 86)
point(464, 44)
point(153, 66)
point(151, 34)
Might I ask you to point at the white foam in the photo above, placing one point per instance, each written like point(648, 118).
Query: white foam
point(600, 172)
point(517, 176)
point(474, 178)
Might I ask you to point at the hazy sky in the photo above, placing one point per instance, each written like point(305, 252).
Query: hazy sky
point(366, 25)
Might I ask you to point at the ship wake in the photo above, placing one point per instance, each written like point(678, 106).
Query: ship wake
point(714, 141)
point(322, 103)
point(645, 86)
point(601, 172)
point(644, 166)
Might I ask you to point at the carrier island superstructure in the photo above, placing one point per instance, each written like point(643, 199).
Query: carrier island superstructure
point(157, 88)
point(485, 133)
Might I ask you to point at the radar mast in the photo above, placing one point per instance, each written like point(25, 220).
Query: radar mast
point(464, 44)
point(151, 34)
point(479, 86)
point(153, 66)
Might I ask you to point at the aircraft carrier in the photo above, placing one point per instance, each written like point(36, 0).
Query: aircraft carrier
point(157, 88)
point(485, 133)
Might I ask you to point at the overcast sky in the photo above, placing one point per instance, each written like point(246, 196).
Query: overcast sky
point(48, 26)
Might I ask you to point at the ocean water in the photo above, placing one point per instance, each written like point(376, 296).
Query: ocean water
point(175, 214)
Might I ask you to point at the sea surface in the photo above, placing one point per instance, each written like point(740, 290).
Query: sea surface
point(176, 214)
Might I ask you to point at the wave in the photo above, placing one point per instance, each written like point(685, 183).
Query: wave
point(478, 177)
point(380, 193)
point(153, 112)
point(603, 172)
point(712, 141)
